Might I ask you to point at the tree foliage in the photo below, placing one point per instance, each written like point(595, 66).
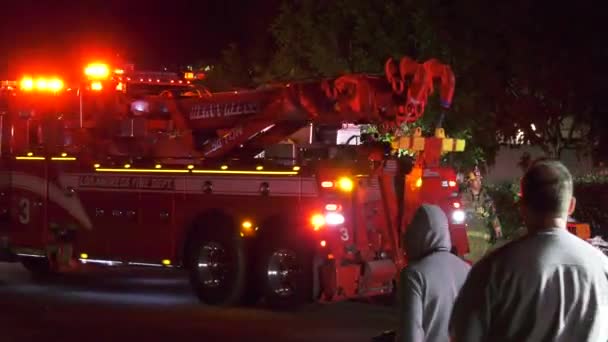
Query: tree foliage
point(326, 38)
point(530, 72)
point(231, 71)
point(323, 38)
point(519, 68)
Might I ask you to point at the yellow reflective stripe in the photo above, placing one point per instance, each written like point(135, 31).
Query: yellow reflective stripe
point(29, 158)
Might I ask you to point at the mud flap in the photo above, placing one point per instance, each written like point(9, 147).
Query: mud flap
point(61, 255)
point(6, 255)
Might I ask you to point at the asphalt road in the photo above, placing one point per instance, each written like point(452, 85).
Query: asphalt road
point(133, 305)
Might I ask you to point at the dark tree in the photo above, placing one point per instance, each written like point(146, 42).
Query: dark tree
point(531, 70)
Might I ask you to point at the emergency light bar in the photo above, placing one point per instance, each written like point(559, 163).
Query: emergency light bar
point(149, 80)
point(97, 74)
point(150, 77)
point(8, 84)
point(41, 84)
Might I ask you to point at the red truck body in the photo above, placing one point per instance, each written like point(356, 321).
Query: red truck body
point(146, 170)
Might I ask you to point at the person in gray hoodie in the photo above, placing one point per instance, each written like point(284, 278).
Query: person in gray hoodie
point(431, 281)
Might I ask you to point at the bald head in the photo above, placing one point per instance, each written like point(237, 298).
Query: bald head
point(547, 189)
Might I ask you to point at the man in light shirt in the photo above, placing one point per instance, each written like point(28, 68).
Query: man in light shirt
point(549, 285)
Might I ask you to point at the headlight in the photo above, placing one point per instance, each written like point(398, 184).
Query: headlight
point(334, 219)
point(140, 106)
point(458, 216)
point(330, 219)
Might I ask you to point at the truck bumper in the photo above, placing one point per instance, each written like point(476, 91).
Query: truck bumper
point(6, 254)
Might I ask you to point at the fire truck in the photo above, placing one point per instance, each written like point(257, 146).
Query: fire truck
point(247, 190)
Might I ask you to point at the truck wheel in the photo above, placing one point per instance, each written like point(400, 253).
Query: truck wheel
point(37, 266)
point(285, 272)
point(218, 266)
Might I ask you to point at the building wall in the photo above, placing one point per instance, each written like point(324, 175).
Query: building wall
point(506, 169)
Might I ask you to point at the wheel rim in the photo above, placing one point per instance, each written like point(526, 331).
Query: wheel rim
point(282, 272)
point(213, 265)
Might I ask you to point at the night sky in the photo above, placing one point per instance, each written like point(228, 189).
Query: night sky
point(149, 33)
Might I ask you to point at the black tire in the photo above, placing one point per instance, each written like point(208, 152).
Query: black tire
point(38, 267)
point(218, 264)
point(279, 250)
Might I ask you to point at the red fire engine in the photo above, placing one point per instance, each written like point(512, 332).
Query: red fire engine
point(247, 190)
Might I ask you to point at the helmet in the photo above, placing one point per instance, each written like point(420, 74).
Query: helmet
point(474, 175)
point(471, 176)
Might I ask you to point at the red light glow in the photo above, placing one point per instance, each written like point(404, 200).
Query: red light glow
point(317, 221)
point(96, 86)
point(97, 71)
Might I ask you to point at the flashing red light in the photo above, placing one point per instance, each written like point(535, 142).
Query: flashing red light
point(317, 221)
point(452, 184)
point(55, 84)
point(97, 71)
point(96, 86)
point(456, 205)
point(27, 84)
point(323, 243)
point(41, 84)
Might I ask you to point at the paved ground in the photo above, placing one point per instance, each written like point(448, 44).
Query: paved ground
point(121, 305)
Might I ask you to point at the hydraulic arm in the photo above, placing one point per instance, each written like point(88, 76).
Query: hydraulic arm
point(231, 120)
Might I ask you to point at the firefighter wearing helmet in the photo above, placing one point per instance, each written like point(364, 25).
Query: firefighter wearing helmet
point(483, 225)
